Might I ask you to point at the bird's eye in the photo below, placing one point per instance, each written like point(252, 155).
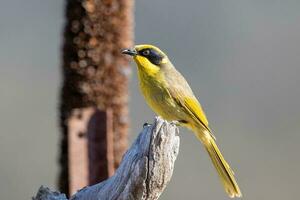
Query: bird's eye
point(146, 52)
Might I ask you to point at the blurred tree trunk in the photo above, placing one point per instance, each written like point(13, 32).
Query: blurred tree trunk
point(95, 74)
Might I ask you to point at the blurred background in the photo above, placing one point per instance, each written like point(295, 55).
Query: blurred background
point(240, 57)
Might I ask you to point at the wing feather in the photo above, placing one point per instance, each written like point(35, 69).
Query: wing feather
point(183, 95)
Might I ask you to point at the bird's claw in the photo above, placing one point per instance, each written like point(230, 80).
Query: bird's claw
point(175, 122)
point(146, 124)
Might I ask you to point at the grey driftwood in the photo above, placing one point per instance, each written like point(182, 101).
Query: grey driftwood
point(145, 171)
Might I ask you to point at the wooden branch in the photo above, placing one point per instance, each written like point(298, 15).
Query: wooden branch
point(145, 170)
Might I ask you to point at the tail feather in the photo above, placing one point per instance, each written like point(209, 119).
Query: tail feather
point(225, 172)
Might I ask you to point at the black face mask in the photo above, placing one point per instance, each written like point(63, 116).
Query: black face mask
point(152, 55)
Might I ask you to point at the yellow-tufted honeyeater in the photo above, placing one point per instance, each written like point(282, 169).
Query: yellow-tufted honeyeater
point(170, 96)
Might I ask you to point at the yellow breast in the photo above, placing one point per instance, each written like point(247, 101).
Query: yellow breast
point(154, 89)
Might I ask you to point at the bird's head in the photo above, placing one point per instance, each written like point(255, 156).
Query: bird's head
point(147, 56)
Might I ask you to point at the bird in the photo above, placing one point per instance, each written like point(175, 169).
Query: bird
point(169, 95)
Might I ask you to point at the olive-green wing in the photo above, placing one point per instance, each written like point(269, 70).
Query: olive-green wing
point(193, 107)
point(188, 102)
point(183, 95)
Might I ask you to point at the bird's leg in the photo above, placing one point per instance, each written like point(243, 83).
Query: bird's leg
point(175, 122)
point(178, 122)
point(146, 124)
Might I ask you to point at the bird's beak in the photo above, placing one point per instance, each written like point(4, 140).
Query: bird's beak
point(131, 52)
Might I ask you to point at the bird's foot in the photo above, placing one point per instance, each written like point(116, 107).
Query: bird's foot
point(175, 122)
point(146, 124)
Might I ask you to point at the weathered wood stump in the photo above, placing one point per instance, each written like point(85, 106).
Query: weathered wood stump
point(145, 170)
